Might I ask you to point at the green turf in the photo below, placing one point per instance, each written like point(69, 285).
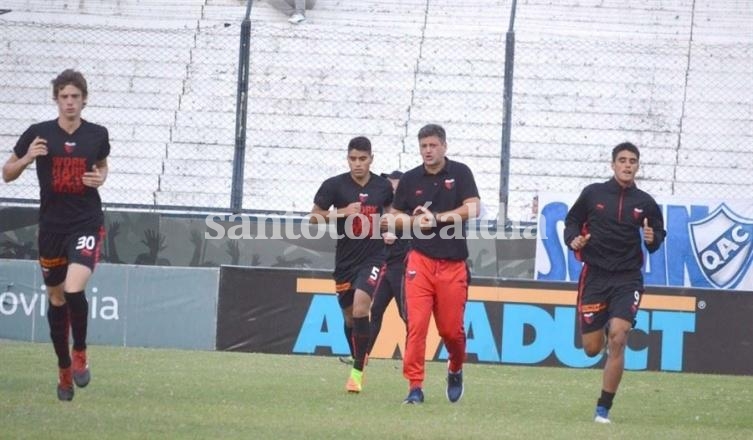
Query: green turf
point(148, 394)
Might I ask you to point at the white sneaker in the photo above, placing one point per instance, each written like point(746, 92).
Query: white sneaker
point(601, 415)
point(296, 18)
point(600, 419)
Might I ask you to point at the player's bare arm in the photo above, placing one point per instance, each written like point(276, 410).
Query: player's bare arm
point(352, 209)
point(469, 209)
point(388, 234)
point(394, 220)
point(317, 212)
point(16, 165)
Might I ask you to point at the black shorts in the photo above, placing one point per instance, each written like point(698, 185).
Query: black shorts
point(366, 278)
point(58, 250)
point(391, 286)
point(603, 295)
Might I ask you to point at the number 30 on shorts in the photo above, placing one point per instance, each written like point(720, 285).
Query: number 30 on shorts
point(86, 242)
point(374, 273)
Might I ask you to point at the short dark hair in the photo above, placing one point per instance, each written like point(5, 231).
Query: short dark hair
point(360, 143)
point(69, 77)
point(625, 146)
point(432, 130)
point(396, 175)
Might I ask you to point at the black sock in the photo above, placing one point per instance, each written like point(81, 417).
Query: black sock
point(360, 341)
point(57, 317)
point(375, 326)
point(79, 308)
point(349, 337)
point(606, 399)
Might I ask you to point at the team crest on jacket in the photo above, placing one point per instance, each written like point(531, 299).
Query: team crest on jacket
point(69, 146)
point(637, 213)
point(722, 245)
point(449, 183)
point(363, 197)
point(410, 274)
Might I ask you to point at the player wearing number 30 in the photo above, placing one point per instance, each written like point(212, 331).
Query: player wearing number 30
point(603, 227)
point(71, 163)
point(359, 197)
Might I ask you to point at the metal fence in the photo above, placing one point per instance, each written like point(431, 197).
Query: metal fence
point(145, 86)
point(168, 95)
point(677, 87)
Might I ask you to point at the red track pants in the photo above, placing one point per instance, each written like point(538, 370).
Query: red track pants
point(441, 287)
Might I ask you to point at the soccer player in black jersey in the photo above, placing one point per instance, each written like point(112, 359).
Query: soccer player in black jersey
point(71, 163)
point(359, 197)
point(392, 272)
point(603, 227)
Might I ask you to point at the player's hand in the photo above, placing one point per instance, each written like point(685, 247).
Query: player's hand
point(37, 147)
point(389, 237)
point(93, 178)
point(580, 242)
point(648, 232)
point(352, 209)
point(425, 218)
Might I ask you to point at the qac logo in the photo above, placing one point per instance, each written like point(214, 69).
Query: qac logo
point(722, 246)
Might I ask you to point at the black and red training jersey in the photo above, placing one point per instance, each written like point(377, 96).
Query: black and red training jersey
point(440, 192)
point(66, 204)
point(614, 216)
point(351, 252)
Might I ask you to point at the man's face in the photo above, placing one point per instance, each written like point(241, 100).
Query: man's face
point(625, 166)
point(359, 163)
point(70, 101)
point(433, 150)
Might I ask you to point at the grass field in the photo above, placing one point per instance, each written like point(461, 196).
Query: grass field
point(147, 394)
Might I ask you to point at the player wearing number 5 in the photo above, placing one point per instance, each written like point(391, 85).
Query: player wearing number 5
point(71, 163)
point(358, 198)
point(603, 227)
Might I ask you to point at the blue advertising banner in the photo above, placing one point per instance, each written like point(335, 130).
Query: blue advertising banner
point(508, 322)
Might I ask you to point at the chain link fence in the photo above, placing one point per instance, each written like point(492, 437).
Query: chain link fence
point(675, 80)
point(583, 82)
point(168, 97)
point(148, 83)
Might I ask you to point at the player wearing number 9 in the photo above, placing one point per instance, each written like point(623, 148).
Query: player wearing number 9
point(603, 227)
point(71, 163)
